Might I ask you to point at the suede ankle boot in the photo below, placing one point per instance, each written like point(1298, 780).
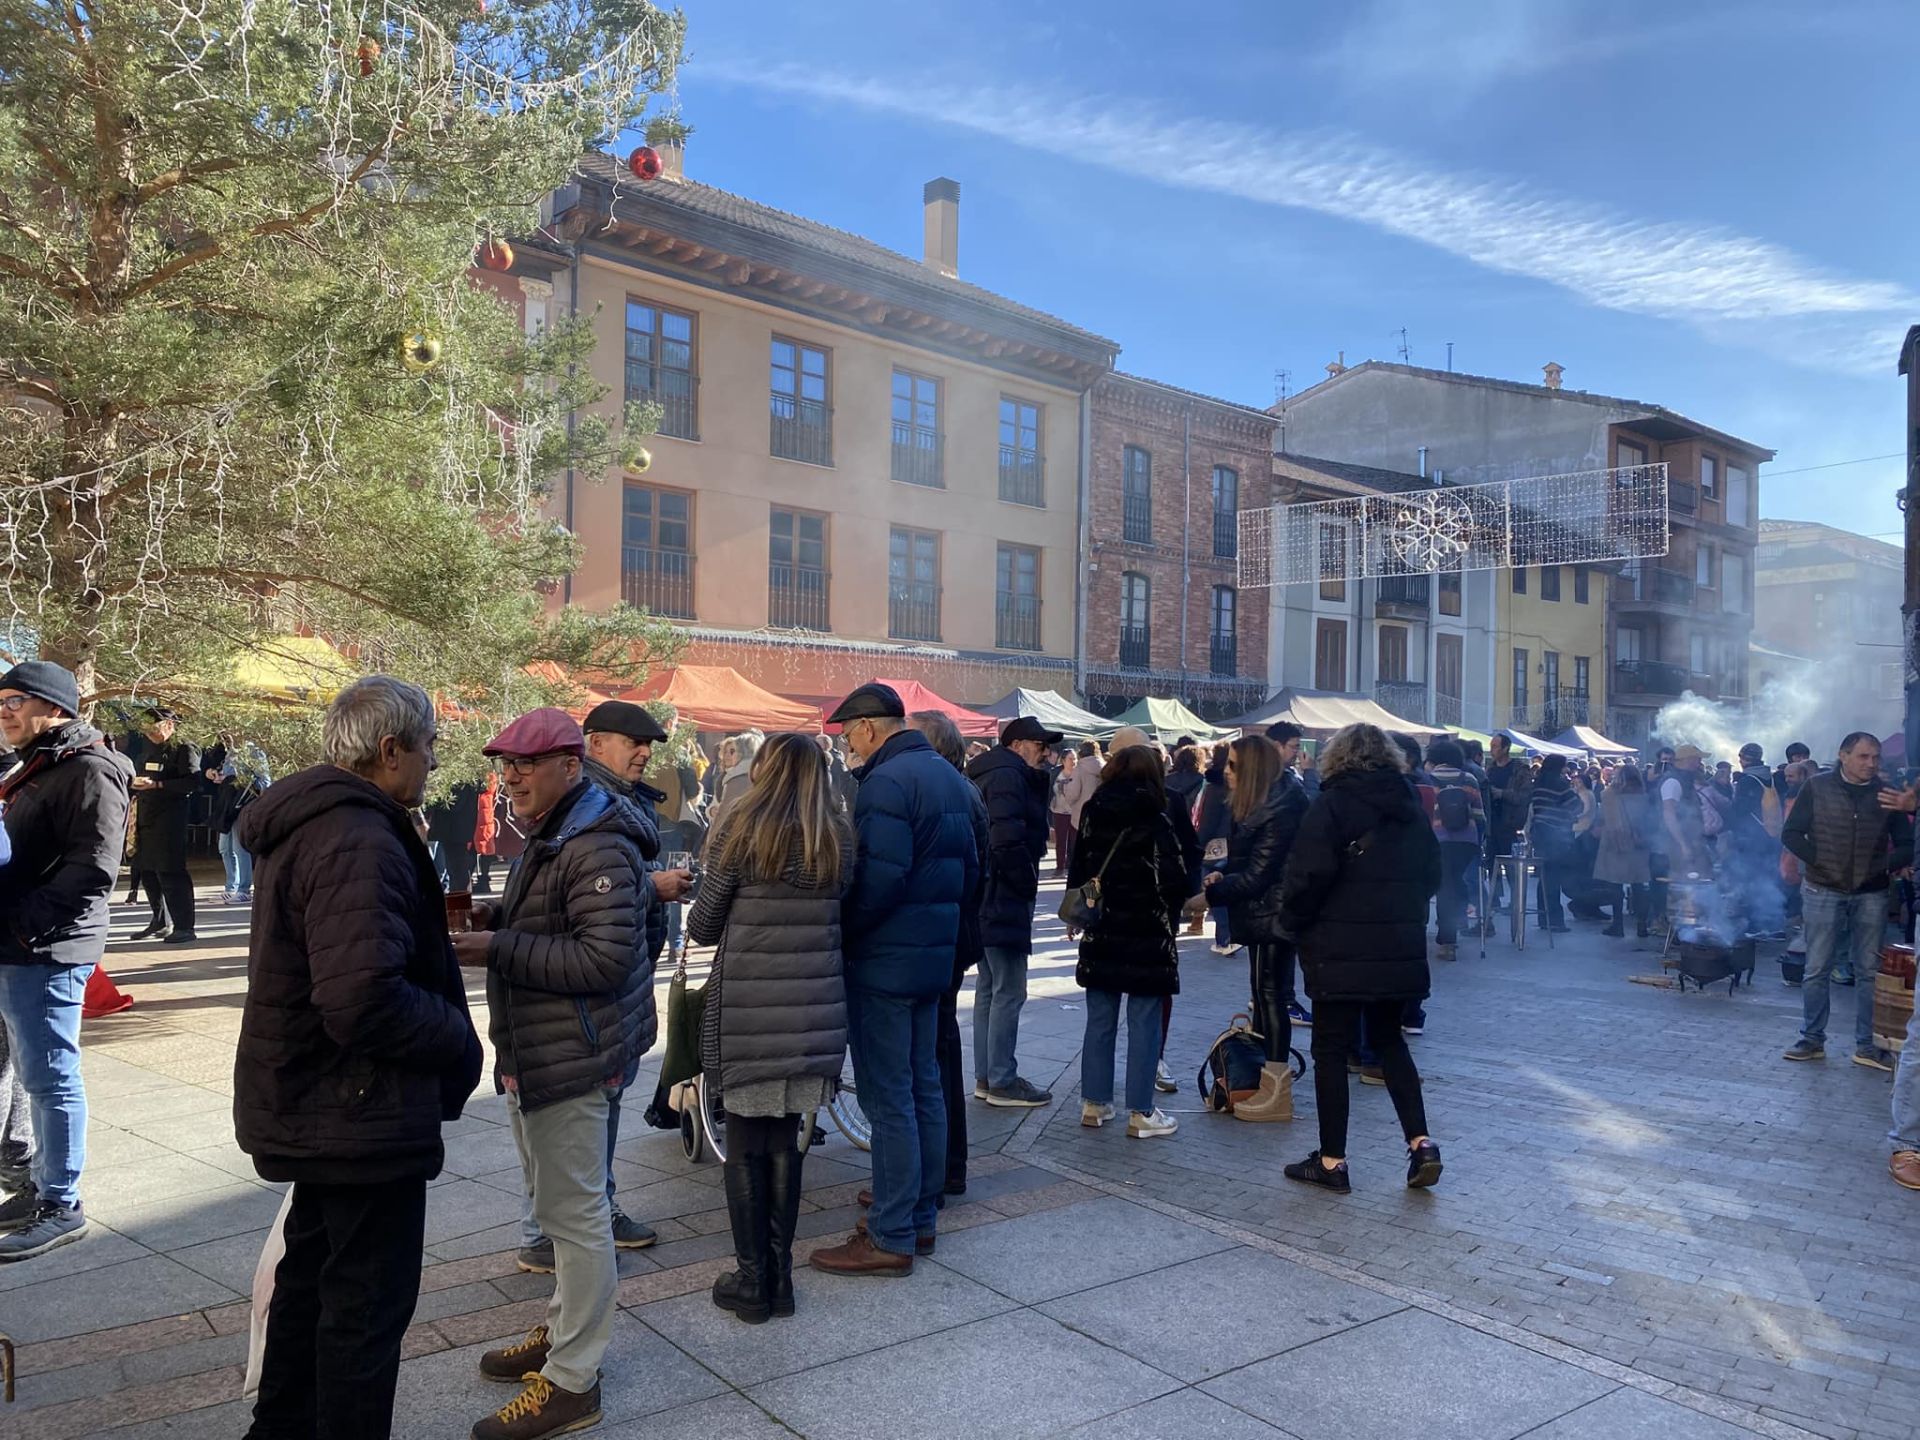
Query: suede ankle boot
point(1274, 1099)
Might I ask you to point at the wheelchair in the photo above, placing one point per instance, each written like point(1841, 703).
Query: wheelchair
point(703, 1125)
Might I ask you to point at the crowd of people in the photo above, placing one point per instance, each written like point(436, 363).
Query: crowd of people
point(845, 905)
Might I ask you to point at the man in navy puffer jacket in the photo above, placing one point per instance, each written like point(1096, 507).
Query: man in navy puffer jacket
point(916, 863)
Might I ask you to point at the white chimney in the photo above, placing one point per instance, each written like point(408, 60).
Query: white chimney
point(942, 201)
point(1553, 373)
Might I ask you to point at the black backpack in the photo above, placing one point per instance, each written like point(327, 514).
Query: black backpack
point(1453, 806)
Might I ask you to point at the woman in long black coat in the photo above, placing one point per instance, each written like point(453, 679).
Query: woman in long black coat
point(1127, 841)
point(1363, 869)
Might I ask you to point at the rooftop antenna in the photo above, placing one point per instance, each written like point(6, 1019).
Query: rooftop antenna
point(1282, 386)
point(1405, 352)
point(1449, 357)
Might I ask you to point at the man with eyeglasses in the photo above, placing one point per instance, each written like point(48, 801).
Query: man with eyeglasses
point(916, 863)
point(570, 1006)
point(65, 820)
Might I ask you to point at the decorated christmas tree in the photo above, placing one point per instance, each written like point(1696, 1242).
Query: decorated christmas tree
point(248, 388)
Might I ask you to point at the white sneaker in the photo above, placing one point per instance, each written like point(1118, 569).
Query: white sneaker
point(979, 1090)
point(1163, 1079)
point(1150, 1126)
point(1223, 949)
point(1094, 1116)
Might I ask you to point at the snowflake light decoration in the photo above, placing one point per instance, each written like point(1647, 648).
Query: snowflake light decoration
point(1430, 532)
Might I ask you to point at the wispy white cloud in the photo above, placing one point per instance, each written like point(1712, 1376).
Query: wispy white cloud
point(1709, 277)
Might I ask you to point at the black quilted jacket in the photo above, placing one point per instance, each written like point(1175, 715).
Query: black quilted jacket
point(1257, 851)
point(355, 1042)
point(569, 984)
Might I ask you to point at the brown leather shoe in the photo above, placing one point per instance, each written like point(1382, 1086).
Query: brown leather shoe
point(541, 1409)
point(1905, 1168)
point(922, 1244)
point(864, 1199)
point(513, 1363)
point(860, 1256)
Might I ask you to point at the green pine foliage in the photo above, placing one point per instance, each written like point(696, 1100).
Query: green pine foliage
point(220, 221)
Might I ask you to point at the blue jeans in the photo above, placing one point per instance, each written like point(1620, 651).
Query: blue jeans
point(896, 1061)
point(999, 993)
point(1143, 1048)
point(1827, 913)
point(239, 865)
point(1905, 1134)
point(41, 1007)
point(529, 1227)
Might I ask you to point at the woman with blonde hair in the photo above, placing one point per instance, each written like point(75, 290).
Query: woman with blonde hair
point(736, 757)
point(1363, 869)
point(774, 1034)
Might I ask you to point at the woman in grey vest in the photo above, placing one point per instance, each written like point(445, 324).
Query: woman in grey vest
point(775, 1028)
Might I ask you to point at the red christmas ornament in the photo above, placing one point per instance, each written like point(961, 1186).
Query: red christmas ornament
point(496, 254)
point(645, 163)
point(368, 52)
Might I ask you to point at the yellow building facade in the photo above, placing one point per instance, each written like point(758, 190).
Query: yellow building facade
point(1551, 639)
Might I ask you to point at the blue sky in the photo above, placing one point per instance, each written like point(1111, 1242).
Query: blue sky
point(1710, 205)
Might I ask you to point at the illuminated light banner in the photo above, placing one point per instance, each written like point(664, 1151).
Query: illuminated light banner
point(1577, 519)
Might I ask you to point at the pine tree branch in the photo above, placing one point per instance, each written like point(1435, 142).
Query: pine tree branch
point(24, 271)
point(213, 248)
point(160, 184)
point(270, 577)
point(28, 385)
point(76, 282)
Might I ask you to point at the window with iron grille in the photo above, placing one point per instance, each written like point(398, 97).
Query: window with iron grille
point(660, 365)
point(1136, 496)
point(800, 412)
point(913, 584)
point(1136, 608)
point(1016, 598)
point(656, 556)
point(1226, 512)
point(1520, 676)
point(1022, 476)
point(1450, 594)
point(1222, 639)
point(797, 578)
point(917, 441)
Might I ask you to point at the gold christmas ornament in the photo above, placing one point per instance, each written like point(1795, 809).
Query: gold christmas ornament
point(419, 352)
point(641, 462)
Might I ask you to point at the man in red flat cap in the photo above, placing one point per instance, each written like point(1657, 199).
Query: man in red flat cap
point(569, 997)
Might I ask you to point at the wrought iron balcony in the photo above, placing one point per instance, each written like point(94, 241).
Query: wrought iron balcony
point(1405, 698)
point(913, 612)
point(1403, 595)
point(1223, 655)
point(1016, 622)
point(797, 597)
point(1136, 519)
point(1022, 476)
point(1570, 707)
point(1649, 677)
point(1656, 585)
point(1448, 710)
point(657, 581)
point(1683, 496)
point(1135, 647)
point(676, 406)
point(800, 429)
point(917, 455)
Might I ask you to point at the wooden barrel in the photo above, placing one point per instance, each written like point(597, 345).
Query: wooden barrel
point(1893, 996)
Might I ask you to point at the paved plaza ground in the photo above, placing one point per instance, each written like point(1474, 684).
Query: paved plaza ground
point(1650, 1226)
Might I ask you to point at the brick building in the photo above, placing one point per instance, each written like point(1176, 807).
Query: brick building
point(1168, 473)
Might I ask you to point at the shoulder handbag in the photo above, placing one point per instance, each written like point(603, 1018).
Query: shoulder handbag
point(686, 1006)
point(1080, 907)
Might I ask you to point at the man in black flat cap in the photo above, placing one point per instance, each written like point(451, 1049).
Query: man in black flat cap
point(915, 866)
point(163, 784)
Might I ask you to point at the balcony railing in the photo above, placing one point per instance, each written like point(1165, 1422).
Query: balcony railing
point(1683, 496)
point(1448, 710)
point(1226, 534)
point(1135, 647)
point(657, 581)
point(1649, 677)
point(1136, 519)
point(1405, 698)
point(676, 408)
point(1570, 707)
point(1404, 592)
point(800, 429)
point(1223, 655)
point(913, 612)
point(797, 597)
point(1022, 476)
point(1016, 622)
point(917, 455)
point(1657, 585)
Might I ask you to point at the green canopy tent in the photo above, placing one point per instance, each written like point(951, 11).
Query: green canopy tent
point(1053, 710)
point(1167, 720)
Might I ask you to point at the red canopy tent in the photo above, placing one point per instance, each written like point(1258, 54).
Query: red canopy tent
point(718, 697)
point(916, 696)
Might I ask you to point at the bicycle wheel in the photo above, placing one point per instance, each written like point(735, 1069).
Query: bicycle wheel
point(848, 1118)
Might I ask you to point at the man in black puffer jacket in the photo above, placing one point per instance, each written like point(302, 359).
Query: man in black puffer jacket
point(354, 1047)
point(570, 1003)
point(1015, 790)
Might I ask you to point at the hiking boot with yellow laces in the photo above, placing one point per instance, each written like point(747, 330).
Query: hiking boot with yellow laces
point(517, 1359)
point(543, 1408)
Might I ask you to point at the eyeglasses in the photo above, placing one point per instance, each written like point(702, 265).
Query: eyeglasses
point(523, 764)
point(12, 703)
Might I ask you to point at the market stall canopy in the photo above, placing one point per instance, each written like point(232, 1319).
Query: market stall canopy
point(299, 669)
point(1167, 720)
point(1053, 710)
point(1319, 713)
point(1582, 737)
point(916, 696)
point(718, 697)
point(1534, 745)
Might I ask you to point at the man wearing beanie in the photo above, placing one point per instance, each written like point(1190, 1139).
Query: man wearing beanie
point(66, 822)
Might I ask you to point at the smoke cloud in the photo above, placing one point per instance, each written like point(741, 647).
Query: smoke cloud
point(1798, 705)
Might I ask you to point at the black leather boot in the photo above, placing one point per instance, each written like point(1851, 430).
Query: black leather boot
point(743, 1290)
point(783, 1213)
